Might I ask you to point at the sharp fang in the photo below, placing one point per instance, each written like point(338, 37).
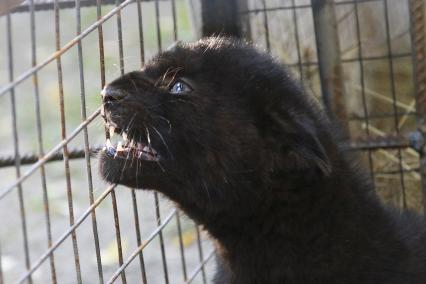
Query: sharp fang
point(108, 143)
point(146, 149)
point(111, 131)
point(120, 146)
point(125, 137)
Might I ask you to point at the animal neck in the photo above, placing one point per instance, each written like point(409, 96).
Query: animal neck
point(293, 223)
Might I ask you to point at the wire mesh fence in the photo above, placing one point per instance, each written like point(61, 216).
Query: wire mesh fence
point(364, 60)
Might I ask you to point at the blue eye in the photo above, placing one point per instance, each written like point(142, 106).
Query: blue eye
point(180, 88)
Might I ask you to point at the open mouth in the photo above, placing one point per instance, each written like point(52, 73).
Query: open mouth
point(128, 148)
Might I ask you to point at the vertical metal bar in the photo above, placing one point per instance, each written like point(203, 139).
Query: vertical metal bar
point(120, 39)
point(140, 24)
point(200, 253)
point(362, 78)
point(418, 38)
point(157, 203)
point(296, 37)
point(393, 92)
point(86, 144)
point(175, 35)
point(65, 148)
point(113, 197)
point(160, 236)
point(117, 234)
point(16, 147)
point(40, 142)
point(138, 236)
point(181, 248)
point(1, 268)
point(134, 201)
point(330, 68)
point(157, 22)
point(266, 26)
point(101, 43)
point(178, 223)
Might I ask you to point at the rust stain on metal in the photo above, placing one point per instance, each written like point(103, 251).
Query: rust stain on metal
point(418, 35)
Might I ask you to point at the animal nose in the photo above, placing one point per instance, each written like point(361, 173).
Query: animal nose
point(111, 95)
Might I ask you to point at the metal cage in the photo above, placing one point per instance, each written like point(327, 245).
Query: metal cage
point(364, 60)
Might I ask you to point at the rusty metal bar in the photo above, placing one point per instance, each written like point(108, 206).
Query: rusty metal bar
point(297, 40)
point(366, 117)
point(200, 253)
point(181, 248)
point(118, 235)
point(393, 93)
point(157, 25)
point(45, 6)
point(87, 150)
point(178, 223)
point(175, 31)
point(376, 143)
point(266, 26)
point(138, 235)
point(113, 197)
point(302, 6)
point(418, 38)
point(133, 191)
point(154, 233)
point(140, 25)
point(65, 148)
point(101, 42)
point(51, 153)
point(356, 59)
point(330, 68)
point(65, 235)
point(28, 159)
point(64, 48)
point(360, 143)
point(16, 147)
point(200, 267)
point(40, 142)
point(161, 238)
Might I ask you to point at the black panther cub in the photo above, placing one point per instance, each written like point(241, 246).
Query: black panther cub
point(225, 132)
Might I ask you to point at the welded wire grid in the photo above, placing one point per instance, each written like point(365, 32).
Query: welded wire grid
point(60, 224)
point(376, 56)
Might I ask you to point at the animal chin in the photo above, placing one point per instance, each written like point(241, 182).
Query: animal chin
point(129, 148)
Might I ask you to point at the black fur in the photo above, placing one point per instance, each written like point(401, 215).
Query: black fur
point(251, 158)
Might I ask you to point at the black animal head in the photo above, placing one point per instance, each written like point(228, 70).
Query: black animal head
point(211, 124)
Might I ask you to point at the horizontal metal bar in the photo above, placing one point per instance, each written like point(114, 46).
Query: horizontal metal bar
point(304, 6)
point(357, 59)
point(361, 143)
point(65, 235)
point(142, 246)
point(386, 115)
point(52, 152)
point(45, 6)
point(375, 143)
point(65, 48)
point(200, 267)
point(28, 159)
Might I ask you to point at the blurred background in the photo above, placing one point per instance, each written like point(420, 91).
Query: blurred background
point(363, 61)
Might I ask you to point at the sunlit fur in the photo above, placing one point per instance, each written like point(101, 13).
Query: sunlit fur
point(252, 159)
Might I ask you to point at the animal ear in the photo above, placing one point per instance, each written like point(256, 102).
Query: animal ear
point(301, 143)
